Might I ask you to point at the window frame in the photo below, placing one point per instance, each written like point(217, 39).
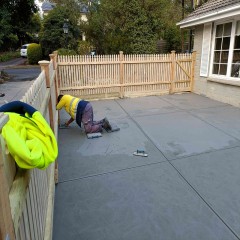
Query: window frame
point(231, 48)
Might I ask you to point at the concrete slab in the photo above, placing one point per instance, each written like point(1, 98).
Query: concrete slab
point(216, 177)
point(146, 106)
point(106, 193)
point(180, 134)
point(111, 152)
point(226, 119)
point(189, 101)
point(107, 108)
point(150, 202)
point(13, 91)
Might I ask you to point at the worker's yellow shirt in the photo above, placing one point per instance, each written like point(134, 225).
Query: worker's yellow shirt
point(70, 104)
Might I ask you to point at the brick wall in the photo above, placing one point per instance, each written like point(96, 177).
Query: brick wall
point(219, 91)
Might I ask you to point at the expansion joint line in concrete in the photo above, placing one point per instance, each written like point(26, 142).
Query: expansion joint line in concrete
point(111, 172)
point(201, 119)
point(219, 129)
point(181, 175)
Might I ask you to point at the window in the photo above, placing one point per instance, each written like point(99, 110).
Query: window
point(221, 49)
point(226, 52)
point(236, 53)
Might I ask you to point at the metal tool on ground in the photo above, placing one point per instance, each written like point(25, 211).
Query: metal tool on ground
point(94, 135)
point(140, 153)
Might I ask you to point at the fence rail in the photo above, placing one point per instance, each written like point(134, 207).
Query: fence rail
point(125, 75)
point(26, 196)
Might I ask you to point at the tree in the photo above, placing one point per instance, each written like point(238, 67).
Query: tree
point(33, 28)
point(52, 36)
point(15, 16)
point(131, 26)
point(21, 13)
point(7, 38)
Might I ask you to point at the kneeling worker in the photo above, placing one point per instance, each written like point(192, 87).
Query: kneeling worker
point(82, 112)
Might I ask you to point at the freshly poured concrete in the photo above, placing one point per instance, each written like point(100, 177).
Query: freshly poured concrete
point(187, 188)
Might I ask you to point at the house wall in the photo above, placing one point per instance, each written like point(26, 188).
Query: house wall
point(225, 91)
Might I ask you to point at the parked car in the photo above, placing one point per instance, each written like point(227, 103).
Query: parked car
point(23, 50)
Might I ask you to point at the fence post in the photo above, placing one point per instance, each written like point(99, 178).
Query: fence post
point(193, 69)
point(121, 73)
point(57, 81)
point(173, 66)
point(6, 222)
point(53, 59)
point(45, 67)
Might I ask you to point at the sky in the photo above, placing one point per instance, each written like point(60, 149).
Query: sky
point(39, 6)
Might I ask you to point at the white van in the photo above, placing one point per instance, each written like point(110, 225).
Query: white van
point(23, 51)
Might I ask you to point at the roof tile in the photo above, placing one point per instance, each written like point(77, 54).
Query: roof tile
point(210, 7)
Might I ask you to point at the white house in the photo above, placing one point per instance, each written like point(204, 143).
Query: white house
point(47, 7)
point(216, 27)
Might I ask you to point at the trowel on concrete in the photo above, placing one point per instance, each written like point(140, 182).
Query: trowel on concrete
point(63, 126)
point(140, 153)
point(94, 135)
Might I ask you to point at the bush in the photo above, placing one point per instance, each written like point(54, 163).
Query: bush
point(8, 56)
point(34, 53)
point(84, 47)
point(64, 51)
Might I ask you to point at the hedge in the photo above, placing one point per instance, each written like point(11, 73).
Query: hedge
point(34, 53)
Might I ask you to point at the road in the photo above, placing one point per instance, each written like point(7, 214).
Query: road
point(23, 74)
point(21, 78)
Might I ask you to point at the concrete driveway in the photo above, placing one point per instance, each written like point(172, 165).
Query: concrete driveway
point(186, 189)
point(21, 76)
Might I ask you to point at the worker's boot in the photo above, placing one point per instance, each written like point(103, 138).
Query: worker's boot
point(106, 125)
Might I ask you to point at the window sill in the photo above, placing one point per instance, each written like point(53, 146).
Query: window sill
point(225, 81)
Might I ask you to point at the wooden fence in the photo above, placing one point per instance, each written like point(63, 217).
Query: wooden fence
point(125, 75)
point(27, 196)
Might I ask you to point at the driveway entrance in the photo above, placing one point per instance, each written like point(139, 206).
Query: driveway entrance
point(187, 188)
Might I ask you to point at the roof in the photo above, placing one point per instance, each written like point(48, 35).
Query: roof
point(84, 8)
point(47, 6)
point(211, 11)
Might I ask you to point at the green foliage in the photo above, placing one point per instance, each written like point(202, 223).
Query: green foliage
point(133, 26)
point(72, 7)
point(84, 47)
point(52, 36)
point(34, 53)
point(8, 39)
point(14, 17)
point(33, 28)
point(64, 51)
point(173, 37)
point(6, 56)
point(139, 28)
